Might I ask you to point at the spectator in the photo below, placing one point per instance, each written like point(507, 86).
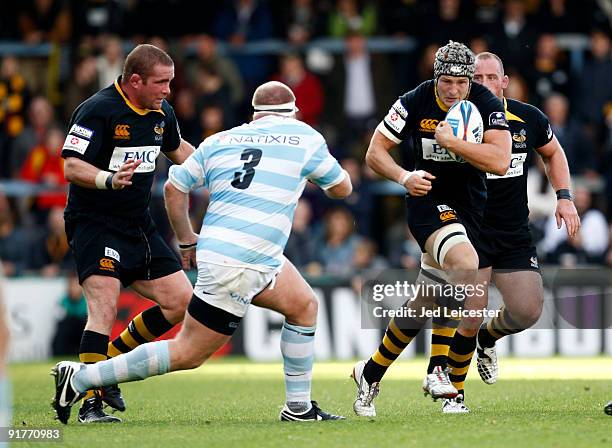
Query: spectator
point(187, 117)
point(300, 20)
point(591, 242)
point(564, 16)
point(337, 247)
point(210, 89)
point(45, 21)
point(207, 56)
point(360, 203)
point(305, 85)
point(360, 87)
point(40, 116)
point(594, 88)
point(578, 148)
point(14, 99)
point(513, 35)
point(13, 240)
point(404, 251)
point(300, 249)
point(445, 20)
point(550, 71)
point(45, 166)
point(243, 21)
point(366, 257)
point(50, 253)
point(83, 84)
point(110, 63)
point(212, 120)
point(349, 16)
point(70, 327)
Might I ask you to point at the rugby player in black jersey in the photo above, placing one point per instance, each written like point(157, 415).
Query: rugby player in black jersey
point(505, 248)
point(445, 199)
point(110, 154)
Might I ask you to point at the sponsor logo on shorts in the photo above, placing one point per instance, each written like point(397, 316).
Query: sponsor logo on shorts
point(81, 130)
point(112, 253)
point(428, 125)
point(107, 264)
point(122, 132)
point(448, 215)
point(444, 208)
point(498, 119)
point(534, 262)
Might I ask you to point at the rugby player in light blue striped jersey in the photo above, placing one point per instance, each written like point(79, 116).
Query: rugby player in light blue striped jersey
point(255, 174)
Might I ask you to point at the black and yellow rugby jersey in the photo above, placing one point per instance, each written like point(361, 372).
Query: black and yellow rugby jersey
point(416, 115)
point(105, 131)
point(507, 195)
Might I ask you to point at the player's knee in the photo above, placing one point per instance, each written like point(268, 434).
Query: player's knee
point(303, 310)
point(469, 326)
point(176, 303)
point(526, 316)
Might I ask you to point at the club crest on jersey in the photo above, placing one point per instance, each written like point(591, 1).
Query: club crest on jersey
point(159, 131)
point(122, 132)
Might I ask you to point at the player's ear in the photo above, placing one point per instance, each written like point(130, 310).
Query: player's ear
point(505, 81)
point(135, 79)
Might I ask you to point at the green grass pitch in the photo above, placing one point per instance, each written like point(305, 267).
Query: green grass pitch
point(225, 403)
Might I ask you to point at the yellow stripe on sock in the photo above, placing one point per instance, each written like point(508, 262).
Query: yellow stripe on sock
point(459, 370)
point(381, 360)
point(142, 328)
point(112, 351)
point(391, 346)
point(492, 331)
point(90, 358)
point(460, 358)
point(443, 331)
point(398, 333)
point(128, 340)
point(89, 394)
point(459, 385)
point(439, 349)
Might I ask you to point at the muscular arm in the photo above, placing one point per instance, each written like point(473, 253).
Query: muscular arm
point(184, 150)
point(177, 208)
point(557, 171)
point(492, 155)
point(83, 174)
point(342, 189)
point(379, 159)
point(417, 183)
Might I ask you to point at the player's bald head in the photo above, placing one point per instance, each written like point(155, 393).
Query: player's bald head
point(274, 98)
point(271, 93)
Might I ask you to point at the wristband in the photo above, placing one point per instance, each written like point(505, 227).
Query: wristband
point(109, 182)
point(102, 180)
point(564, 193)
point(187, 246)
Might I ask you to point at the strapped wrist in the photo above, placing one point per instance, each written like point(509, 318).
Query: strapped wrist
point(402, 180)
point(102, 179)
point(564, 193)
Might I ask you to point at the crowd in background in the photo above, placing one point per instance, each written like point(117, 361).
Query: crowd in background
point(342, 93)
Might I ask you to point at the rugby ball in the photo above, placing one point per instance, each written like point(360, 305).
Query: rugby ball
point(466, 122)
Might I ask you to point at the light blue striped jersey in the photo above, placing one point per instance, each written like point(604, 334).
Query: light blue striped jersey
point(255, 174)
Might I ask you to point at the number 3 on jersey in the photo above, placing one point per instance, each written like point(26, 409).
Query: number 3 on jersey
point(242, 179)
